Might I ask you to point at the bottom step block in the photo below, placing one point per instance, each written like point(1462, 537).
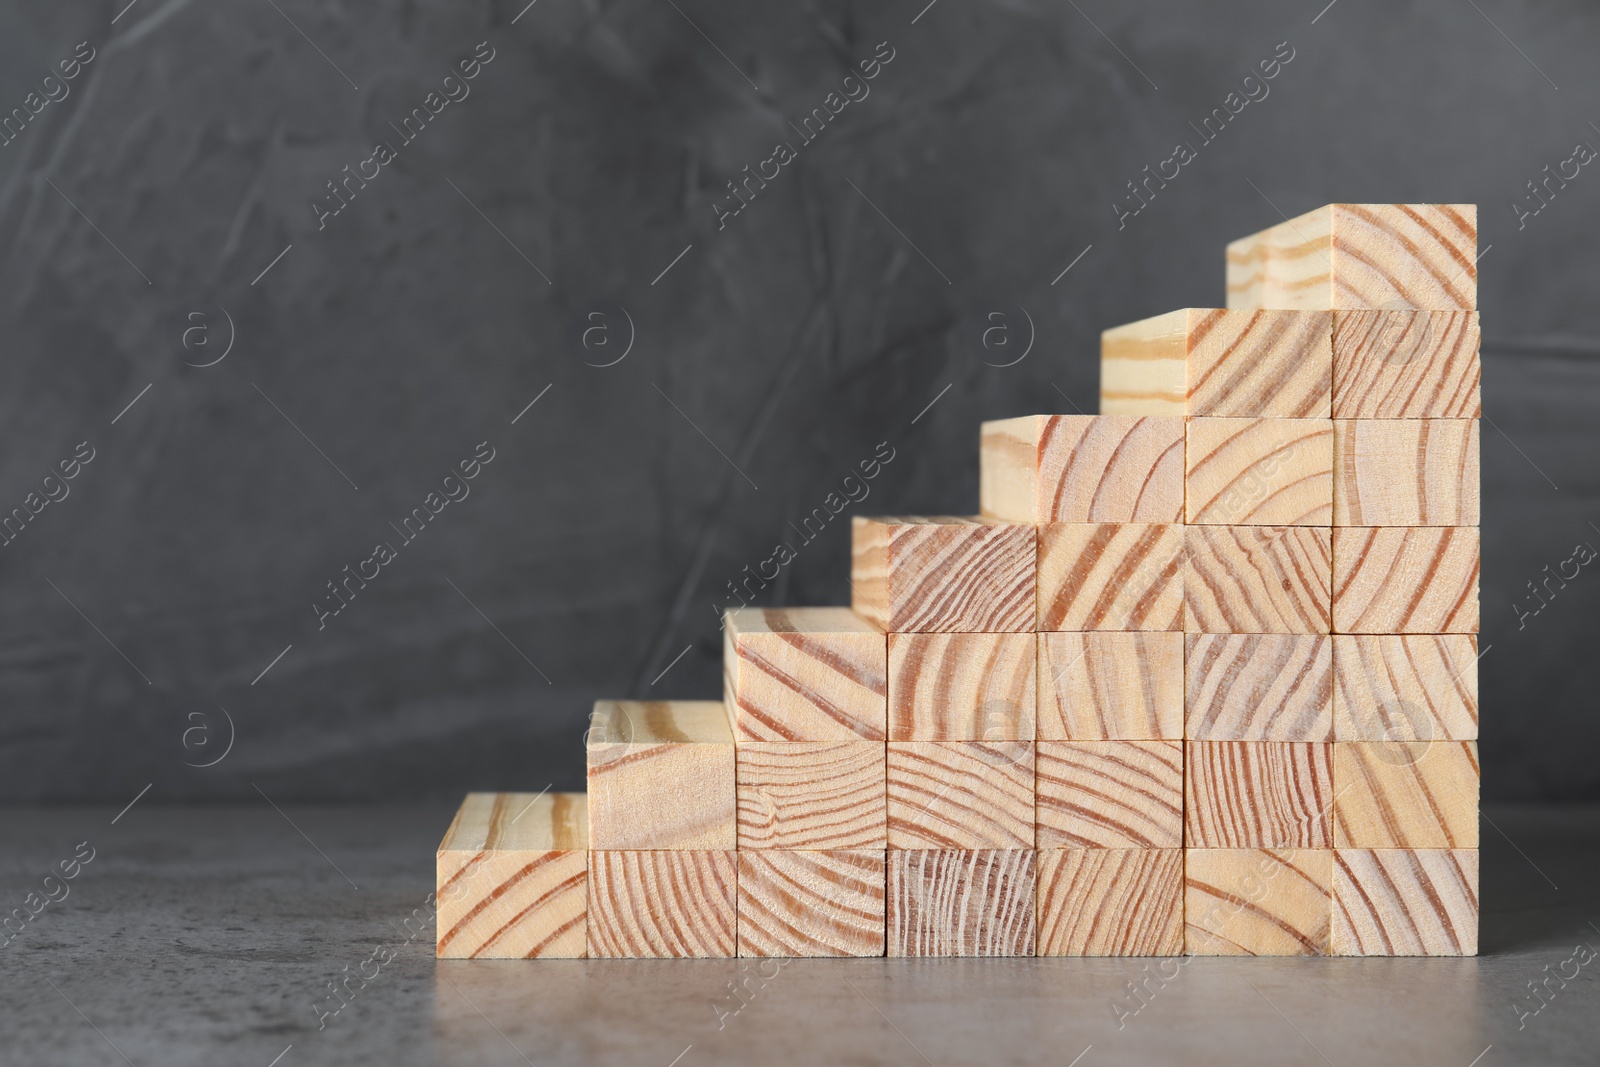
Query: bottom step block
point(1398, 902)
point(961, 902)
point(823, 903)
point(1111, 902)
point(662, 904)
point(1257, 902)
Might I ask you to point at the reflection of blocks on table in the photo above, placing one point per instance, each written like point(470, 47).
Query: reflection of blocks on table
point(943, 575)
point(1389, 687)
point(1110, 576)
point(811, 795)
point(962, 687)
point(827, 903)
point(1110, 794)
point(1110, 686)
point(1258, 794)
point(1400, 902)
point(1259, 687)
point(1405, 580)
point(1259, 472)
point(961, 794)
point(961, 902)
point(1405, 472)
point(1257, 902)
point(1110, 902)
point(667, 903)
point(1405, 364)
point(1082, 468)
point(803, 674)
point(1406, 794)
point(1258, 579)
point(661, 776)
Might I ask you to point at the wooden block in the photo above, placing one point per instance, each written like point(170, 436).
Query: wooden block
point(962, 687)
point(1248, 363)
point(663, 904)
point(961, 794)
point(1082, 468)
point(1253, 902)
point(811, 795)
point(1405, 472)
point(1405, 580)
point(1259, 687)
point(1405, 688)
point(811, 903)
point(1111, 902)
point(1406, 794)
point(1110, 576)
point(1403, 364)
point(513, 877)
point(1109, 794)
point(1258, 579)
point(1399, 902)
point(1259, 472)
point(1110, 686)
point(961, 902)
point(1361, 256)
point(804, 674)
point(661, 775)
point(1258, 794)
point(943, 575)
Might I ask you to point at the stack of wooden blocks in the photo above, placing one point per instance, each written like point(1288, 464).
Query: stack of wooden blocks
point(1201, 678)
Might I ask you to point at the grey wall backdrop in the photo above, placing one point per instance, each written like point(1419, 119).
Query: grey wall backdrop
point(165, 207)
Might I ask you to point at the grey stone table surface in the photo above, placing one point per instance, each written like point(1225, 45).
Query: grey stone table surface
point(211, 935)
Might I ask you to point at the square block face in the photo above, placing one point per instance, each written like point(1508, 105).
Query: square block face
point(1110, 686)
point(1111, 902)
point(1258, 579)
point(811, 903)
point(1406, 794)
point(1083, 468)
point(1398, 688)
point(1259, 687)
point(1110, 576)
point(1405, 472)
point(811, 795)
point(1259, 472)
point(961, 794)
point(666, 904)
point(1398, 902)
point(1251, 902)
point(1110, 794)
point(962, 687)
point(1258, 794)
point(1405, 580)
point(961, 902)
point(661, 776)
point(804, 674)
point(1406, 365)
point(943, 575)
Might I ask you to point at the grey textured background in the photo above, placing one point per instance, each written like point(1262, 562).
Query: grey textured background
point(419, 323)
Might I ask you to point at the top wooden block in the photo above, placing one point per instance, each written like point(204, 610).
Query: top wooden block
point(519, 822)
point(1388, 256)
point(661, 776)
point(915, 574)
point(1082, 468)
point(804, 674)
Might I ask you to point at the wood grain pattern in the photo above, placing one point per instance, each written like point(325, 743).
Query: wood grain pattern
point(1258, 579)
point(1398, 902)
point(811, 795)
point(1109, 794)
point(1110, 576)
point(1259, 687)
point(1259, 472)
point(962, 902)
point(1215, 361)
point(961, 794)
point(1110, 902)
point(1405, 579)
point(1253, 902)
point(1405, 472)
point(1258, 794)
point(962, 687)
point(1405, 688)
point(662, 904)
point(811, 903)
point(916, 574)
point(1406, 365)
point(804, 674)
point(661, 776)
point(512, 877)
point(1406, 794)
point(1110, 686)
point(1082, 468)
point(1361, 256)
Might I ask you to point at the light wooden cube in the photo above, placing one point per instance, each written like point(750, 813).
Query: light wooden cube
point(1109, 794)
point(1082, 468)
point(1259, 687)
point(1110, 902)
point(1110, 686)
point(1361, 256)
point(1405, 580)
point(661, 776)
point(1259, 472)
point(1406, 794)
point(828, 903)
point(804, 674)
point(1258, 579)
point(663, 904)
point(962, 687)
point(943, 575)
point(1258, 794)
point(512, 877)
point(1257, 902)
point(1110, 576)
point(807, 795)
point(1211, 361)
point(961, 794)
point(1402, 902)
point(1405, 688)
point(962, 902)
point(1405, 472)
point(1406, 365)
